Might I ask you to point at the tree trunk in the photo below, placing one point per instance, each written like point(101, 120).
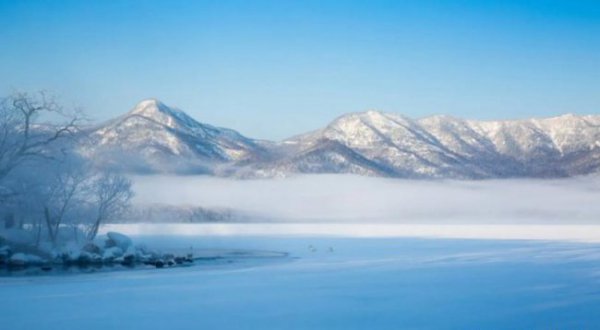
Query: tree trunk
point(39, 233)
point(95, 228)
point(51, 233)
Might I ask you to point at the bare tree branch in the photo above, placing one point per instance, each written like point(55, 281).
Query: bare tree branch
point(22, 137)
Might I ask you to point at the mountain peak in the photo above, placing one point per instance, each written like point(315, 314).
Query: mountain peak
point(155, 137)
point(159, 112)
point(149, 107)
point(372, 119)
point(372, 113)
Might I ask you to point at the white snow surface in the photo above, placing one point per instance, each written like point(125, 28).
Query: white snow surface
point(326, 283)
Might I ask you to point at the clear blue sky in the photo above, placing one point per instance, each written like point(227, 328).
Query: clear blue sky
point(271, 69)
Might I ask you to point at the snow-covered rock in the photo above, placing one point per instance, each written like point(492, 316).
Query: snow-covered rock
point(18, 259)
point(120, 240)
point(70, 252)
point(130, 256)
point(119, 250)
point(131, 251)
point(24, 259)
point(92, 248)
point(112, 253)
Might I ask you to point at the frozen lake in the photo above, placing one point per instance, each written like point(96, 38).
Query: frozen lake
point(348, 280)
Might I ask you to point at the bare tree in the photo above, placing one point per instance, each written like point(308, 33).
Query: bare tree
point(44, 179)
point(79, 195)
point(66, 195)
point(112, 195)
point(34, 130)
point(22, 134)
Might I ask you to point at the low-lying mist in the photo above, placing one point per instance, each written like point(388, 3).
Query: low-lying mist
point(330, 198)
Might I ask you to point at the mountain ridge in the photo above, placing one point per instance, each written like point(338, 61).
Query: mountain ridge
point(157, 138)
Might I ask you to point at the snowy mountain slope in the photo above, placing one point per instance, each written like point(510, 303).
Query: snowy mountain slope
point(156, 138)
point(445, 147)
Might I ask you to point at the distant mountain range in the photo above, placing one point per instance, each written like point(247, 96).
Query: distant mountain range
point(155, 138)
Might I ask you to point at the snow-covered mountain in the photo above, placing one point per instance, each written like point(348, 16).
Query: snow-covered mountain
point(383, 144)
point(157, 138)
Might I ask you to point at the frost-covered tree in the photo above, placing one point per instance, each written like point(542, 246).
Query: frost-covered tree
point(31, 127)
point(80, 196)
point(46, 188)
point(110, 196)
point(34, 129)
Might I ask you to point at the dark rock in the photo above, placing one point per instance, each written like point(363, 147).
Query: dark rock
point(64, 258)
point(57, 260)
point(111, 253)
point(84, 259)
point(144, 258)
point(87, 258)
point(46, 268)
point(128, 260)
point(5, 254)
point(159, 264)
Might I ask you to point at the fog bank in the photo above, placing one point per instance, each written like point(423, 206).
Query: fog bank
point(326, 198)
point(569, 233)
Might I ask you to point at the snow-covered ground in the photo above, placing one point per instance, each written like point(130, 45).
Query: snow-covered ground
point(326, 282)
point(357, 253)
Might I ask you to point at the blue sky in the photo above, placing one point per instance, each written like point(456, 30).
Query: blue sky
point(272, 69)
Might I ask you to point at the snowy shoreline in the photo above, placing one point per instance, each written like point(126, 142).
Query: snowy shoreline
point(550, 232)
point(17, 251)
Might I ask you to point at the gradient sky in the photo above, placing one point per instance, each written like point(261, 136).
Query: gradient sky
point(272, 69)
